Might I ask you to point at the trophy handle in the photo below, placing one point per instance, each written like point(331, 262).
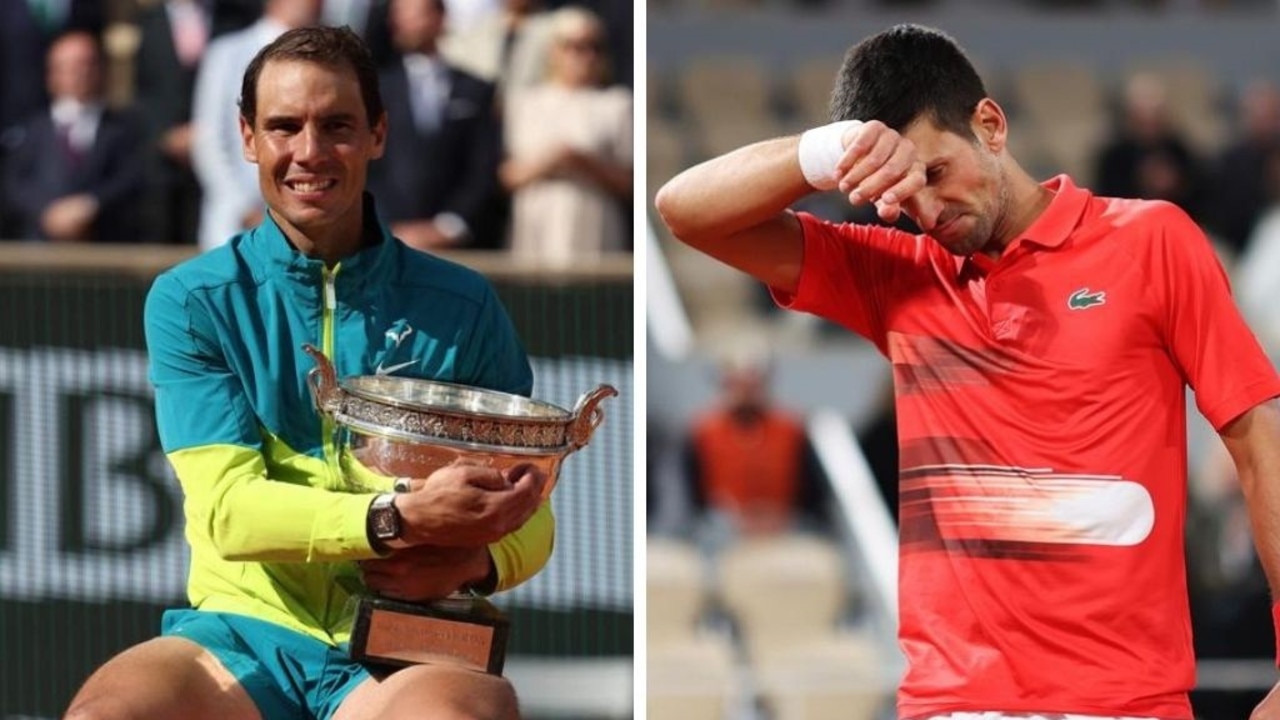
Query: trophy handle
point(322, 380)
point(587, 417)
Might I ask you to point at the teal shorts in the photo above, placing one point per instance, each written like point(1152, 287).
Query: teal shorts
point(289, 675)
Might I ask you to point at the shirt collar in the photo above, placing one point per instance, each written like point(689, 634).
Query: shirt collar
point(423, 63)
point(67, 111)
point(1054, 225)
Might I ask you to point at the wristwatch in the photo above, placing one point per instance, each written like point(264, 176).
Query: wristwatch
point(384, 523)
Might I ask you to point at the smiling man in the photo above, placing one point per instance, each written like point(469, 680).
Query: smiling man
point(275, 522)
point(1041, 339)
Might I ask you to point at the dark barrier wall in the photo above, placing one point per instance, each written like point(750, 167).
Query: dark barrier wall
point(91, 548)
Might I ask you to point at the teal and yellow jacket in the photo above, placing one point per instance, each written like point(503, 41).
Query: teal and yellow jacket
point(272, 515)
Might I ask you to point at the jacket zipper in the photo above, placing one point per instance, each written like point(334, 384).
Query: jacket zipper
point(328, 343)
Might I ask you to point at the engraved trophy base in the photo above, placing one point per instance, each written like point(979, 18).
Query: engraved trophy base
point(458, 630)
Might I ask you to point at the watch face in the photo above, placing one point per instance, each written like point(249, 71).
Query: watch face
point(385, 523)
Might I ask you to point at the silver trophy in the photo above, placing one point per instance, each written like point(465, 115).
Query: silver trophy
point(396, 427)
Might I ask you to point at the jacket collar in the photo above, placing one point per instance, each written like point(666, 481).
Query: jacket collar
point(1051, 229)
point(268, 243)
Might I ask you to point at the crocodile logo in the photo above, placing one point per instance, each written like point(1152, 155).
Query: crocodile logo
point(1082, 299)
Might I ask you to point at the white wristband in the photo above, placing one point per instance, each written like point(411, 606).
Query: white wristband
point(820, 151)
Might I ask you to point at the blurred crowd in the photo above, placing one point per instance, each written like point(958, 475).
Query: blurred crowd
point(509, 121)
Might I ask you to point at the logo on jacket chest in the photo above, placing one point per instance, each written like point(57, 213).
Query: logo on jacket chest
point(396, 336)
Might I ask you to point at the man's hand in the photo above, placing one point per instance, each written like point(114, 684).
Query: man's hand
point(880, 166)
point(69, 218)
point(425, 572)
point(175, 143)
point(469, 505)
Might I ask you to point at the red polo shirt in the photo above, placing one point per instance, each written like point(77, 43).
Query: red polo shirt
point(1042, 429)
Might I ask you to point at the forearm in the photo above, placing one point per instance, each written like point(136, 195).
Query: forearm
point(247, 516)
point(1254, 442)
point(734, 192)
point(613, 177)
point(516, 173)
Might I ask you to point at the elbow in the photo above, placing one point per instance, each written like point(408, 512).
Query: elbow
point(228, 544)
point(228, 539)
point(673, 206)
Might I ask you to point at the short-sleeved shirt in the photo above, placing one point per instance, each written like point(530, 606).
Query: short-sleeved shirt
point(1042, 430)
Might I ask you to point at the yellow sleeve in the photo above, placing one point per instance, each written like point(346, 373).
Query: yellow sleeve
point(233, 508)
point(520, 555)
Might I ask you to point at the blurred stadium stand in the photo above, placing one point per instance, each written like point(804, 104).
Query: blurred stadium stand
point(722, 74)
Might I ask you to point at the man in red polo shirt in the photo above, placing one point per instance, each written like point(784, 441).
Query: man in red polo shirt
point(1041, 340)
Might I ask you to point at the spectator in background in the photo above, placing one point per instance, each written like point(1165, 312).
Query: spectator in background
point(174, 35)
point(508, 49)
point(27, 29)
point(229, 184)
point(618, 17)
point(568, 144)
point(440, 176)
point(1257, 280)
point(1240, 187)
point(1147, 156)
point(749, 462)
point(72, 173)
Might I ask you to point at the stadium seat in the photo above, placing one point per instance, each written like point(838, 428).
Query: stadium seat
point(691, 680)
point(838, 677)
point(712, 87)
point(677, 591)
point(1063, 103)
point(811, 81)
point(782, 591)
point(727, 102)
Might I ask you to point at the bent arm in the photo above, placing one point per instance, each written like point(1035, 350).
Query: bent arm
point(734, 208)
point(234, 506)
point(1253, 440)
point(214, 441)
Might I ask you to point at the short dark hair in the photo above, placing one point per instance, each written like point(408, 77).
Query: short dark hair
point(906, 72)
point(329, 46)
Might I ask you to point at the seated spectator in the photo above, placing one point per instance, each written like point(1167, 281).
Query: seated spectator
point(439, 177)
point(749, 462)
point(1147, 156)
point(1239, 191)
point(72, 173)
point(568, 145)
point(27, 29)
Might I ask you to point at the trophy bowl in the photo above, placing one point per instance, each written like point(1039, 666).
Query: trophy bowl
point(409, 427)
point(395, 427)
